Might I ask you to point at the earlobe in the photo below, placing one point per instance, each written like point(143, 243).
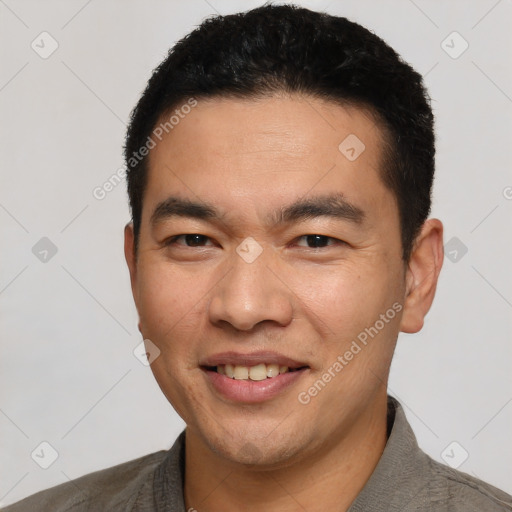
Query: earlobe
point(422, 275)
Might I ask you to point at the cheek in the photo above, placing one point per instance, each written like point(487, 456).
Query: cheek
point(164, 296)
point(171, 310)
point(345, 305)
point(175, 384)
point(345, 299)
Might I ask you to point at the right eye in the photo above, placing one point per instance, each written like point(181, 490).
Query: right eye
point(190, 239)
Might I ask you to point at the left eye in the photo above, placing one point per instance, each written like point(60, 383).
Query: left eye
point(318, 241)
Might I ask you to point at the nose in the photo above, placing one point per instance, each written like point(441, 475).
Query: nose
point(249, 294)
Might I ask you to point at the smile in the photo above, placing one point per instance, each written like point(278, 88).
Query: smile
point(258, 372)
point(251, 378)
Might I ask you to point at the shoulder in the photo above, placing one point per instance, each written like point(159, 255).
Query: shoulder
point(409, 480)
point(456, 491)
point(108, 489)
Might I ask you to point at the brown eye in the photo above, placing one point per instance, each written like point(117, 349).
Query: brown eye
point(318, 241)
point(191, 240)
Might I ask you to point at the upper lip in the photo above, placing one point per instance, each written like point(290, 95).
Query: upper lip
point(251, 359)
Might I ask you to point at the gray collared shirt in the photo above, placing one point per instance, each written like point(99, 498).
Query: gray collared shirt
point(405, 480)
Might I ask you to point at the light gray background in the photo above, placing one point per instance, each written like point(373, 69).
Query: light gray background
point(68, 325)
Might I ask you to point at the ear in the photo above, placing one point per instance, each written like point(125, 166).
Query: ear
point(422, 274)
point(131, 260)
point(129, 254)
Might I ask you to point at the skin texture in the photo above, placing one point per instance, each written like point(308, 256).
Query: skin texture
point(247, 158)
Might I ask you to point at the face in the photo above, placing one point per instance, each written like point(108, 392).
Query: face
point(265, 246)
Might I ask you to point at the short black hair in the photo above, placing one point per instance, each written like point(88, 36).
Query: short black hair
point(285, 48)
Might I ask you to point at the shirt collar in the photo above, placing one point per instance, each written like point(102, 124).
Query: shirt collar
point(396, 479)
point(394, 482)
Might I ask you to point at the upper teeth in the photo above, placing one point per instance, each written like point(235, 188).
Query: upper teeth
point(259, 372)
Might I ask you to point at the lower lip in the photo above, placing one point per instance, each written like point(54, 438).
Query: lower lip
point(252, 391)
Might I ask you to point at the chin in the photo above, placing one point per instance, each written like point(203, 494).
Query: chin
point(257, 451)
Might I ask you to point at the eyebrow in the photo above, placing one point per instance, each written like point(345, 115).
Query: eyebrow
point(331, 205)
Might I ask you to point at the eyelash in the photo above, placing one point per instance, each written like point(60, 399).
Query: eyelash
point(172, 241)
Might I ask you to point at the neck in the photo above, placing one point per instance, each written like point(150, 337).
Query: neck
point(330, 479)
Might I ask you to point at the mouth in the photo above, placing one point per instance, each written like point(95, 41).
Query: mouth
point(258, 372)
point(251, 378)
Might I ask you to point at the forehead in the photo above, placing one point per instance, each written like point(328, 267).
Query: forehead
point(264, 151)
point(279, 122)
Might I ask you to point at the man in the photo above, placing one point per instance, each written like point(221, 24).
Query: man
point(280, 170)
